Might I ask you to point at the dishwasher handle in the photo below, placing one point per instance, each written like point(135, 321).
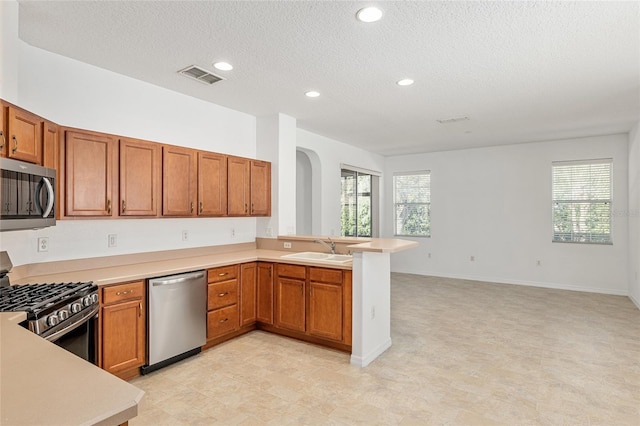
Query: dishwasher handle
point(177, 279)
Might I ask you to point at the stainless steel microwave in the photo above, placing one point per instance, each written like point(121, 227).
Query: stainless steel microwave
point(28, 195)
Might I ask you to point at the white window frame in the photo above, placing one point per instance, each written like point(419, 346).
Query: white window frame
point(396, 203)
point(582, 188)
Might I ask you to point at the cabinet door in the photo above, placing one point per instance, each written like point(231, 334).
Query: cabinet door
point(212, 184)
point(290, 306)
point(260, 188)
point(178, 181)
point(325, 310)
point(248, 294)
point(89, 175)
point(50, 145)
point(265, 293)
point(238, 186)
point(139, 178)
point(4, 136)
point(123, 336)
point(25, 141)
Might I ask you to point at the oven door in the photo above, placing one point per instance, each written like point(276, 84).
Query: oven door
point(79, 338)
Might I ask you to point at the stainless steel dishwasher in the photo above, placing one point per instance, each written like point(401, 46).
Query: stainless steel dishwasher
point(177, 320)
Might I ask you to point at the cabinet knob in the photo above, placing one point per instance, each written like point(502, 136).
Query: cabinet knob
point(192, 207)
point(200, 206)
point(15, 146)
point(223, 320)
point(223, 294)
point(3, 140)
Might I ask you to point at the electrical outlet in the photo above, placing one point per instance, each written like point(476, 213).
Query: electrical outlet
point(538, 263)
point(269, 232)
point(43, 244)
point(113, 240)
point(429, 255)
point(185, 235)
point(233, 232)
point(472, 258)
point(287, 245)
point(373, 312)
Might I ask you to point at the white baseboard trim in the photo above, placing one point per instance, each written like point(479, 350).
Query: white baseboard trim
point(555, 286)
point(365, 360)
point(635, 301)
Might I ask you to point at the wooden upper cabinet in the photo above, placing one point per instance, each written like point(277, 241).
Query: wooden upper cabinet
point(238, 186)
point(89, 163)
point(24, 135)
point(212, 184)
point(3, 130)
point(50, 134)
point(260, 188)
point(179, 177)
point(139, 178)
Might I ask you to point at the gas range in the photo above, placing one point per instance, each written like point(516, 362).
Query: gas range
point(52, 309)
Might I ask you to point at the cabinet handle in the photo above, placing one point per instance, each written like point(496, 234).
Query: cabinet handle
point(140, 309)
point(15, 147)
point(200, 206)
point(252, 209)
point(3, 140)
point(223, 294)
point(224, 320)
point(124, 206)
point(192, 207)
point(122, 293)
point(108, 206)
point(245, 207)
point(222, 274)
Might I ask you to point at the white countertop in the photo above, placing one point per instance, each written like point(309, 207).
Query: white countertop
point(43, 384)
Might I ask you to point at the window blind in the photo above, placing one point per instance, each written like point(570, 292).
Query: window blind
point(412, 203)
point(582, 196)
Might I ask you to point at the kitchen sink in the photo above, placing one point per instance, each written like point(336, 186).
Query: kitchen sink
point(324, 257)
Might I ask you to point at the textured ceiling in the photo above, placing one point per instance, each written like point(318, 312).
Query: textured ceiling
point(521, 71)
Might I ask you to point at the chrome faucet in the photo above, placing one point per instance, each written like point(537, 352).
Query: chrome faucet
point(331, 246)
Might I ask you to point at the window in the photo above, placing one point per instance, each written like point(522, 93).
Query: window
point(582, 201)
point(358, 206)
point(412, 204)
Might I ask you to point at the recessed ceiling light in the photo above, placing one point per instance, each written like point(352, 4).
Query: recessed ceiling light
point(369, 14)
point(223, 66)
point(405, 82)
point(312, 94)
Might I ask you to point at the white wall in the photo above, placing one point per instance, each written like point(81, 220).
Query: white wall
point(9, 50)
point(76, 94)
point(495, 204)
point(332, 154)
point(304, 204)
point(634, 215)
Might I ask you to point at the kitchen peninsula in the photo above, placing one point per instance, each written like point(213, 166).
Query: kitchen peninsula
point(370, 310)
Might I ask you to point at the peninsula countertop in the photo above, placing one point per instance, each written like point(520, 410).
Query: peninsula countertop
point(44, 384)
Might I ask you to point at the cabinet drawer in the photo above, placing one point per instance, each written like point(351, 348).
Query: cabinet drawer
point(120, 292)
point(322, 275)
point(222, 294)
point(224, 273)
point(222, 321)
point(291, 271)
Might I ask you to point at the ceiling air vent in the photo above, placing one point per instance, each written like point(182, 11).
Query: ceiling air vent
point(200, 74)
point(452, 120)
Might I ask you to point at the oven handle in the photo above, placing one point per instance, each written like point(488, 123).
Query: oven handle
point(53, 337)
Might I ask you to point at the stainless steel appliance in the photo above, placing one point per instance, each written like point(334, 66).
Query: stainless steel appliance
point(27, 195)
point(62, 313)
point(177, 318)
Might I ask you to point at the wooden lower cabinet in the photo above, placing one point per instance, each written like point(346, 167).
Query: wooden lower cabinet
point(222, 301)
point(264, 307)
point(123, 329)
point(314, 303)
point(248, 283)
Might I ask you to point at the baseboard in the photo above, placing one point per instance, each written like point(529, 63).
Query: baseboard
point(365, 360)
point(555, 286)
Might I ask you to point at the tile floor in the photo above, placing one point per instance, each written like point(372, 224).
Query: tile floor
point(464, 353)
